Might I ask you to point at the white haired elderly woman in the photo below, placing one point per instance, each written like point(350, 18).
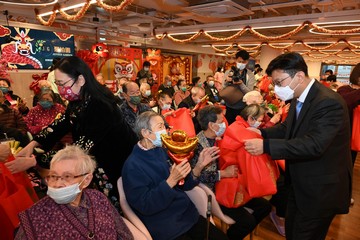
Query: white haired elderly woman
point(70, 211)
point(150, 184)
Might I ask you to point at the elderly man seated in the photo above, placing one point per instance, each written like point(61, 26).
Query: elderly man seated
point(152, 190)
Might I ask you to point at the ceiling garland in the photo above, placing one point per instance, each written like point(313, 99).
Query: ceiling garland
point(290, 45)
point(256, 33)
point(81, 13)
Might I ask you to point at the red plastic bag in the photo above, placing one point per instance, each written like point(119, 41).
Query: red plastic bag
point(355, 136)
point(181, 119)
point(14, 198)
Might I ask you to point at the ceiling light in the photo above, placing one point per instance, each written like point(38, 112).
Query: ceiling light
point(313, 31)
point(31, 4)
point(67, 8)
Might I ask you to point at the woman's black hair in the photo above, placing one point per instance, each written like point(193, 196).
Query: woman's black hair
point(179, 82)
point(74, 67)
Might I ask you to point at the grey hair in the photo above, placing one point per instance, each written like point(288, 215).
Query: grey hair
point(252, 110)
point(86, 163)
point(143, 122)
point(144, 86)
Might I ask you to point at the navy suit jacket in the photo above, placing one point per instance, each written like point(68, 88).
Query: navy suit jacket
point(316, 147)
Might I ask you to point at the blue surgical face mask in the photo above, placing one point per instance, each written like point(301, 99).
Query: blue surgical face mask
point(157, 142)
point(4, 89)
point(46, 104)
point(64, 195)
point(222, 128)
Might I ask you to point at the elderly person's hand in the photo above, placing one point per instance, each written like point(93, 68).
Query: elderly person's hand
point(171, 112)
point(254, 146)
point(21, 164)
point(206, 156)
point(178, 172)
point(28, 150)
point(276, 118)
point(229, 171)
point(4, 152)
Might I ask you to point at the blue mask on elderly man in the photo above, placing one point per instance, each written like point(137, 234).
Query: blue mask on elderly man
point(157, 142)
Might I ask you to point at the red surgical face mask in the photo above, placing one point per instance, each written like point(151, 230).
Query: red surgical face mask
point(67, 93)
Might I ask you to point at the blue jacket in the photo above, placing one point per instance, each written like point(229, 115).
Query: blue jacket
point(166, 212)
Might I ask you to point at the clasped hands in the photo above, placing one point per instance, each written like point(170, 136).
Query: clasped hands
point(23, 160)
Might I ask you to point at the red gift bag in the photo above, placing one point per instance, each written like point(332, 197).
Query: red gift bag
point(14, 198)
point(355, 136)
point(231, 193)
point(261, 175)
point(181, 119)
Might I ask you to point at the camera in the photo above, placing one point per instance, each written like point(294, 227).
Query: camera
point(235, 74)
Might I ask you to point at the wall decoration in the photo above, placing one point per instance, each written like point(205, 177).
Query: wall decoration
point(25, 48)
point(155, 59)
point(176, 66)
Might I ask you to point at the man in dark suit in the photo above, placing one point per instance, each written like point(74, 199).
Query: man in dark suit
point(315, 141)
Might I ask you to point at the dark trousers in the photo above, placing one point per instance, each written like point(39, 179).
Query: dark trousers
point(198, 232)
point(279, 200)
point(301, 227)
point(353, 156)
point(246, 221)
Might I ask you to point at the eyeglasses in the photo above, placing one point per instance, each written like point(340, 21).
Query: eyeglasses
point(278, 83)
point(257, 119)
point(58, 82)
point(68, 178)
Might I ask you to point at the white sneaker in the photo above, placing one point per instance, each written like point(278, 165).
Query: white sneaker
point(352, 201)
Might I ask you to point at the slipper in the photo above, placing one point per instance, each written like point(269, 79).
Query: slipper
point(277, 224)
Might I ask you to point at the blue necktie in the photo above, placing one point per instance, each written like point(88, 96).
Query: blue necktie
point(298, 108)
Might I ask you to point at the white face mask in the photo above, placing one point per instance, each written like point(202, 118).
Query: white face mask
point(285, 93)
point(240, 66)
point(256, 124)
point(222, 128)
point(146, 69)
point(147, 93)
point(157, 142)
point(211, 83)
point(64, 195)
point(166, 106)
